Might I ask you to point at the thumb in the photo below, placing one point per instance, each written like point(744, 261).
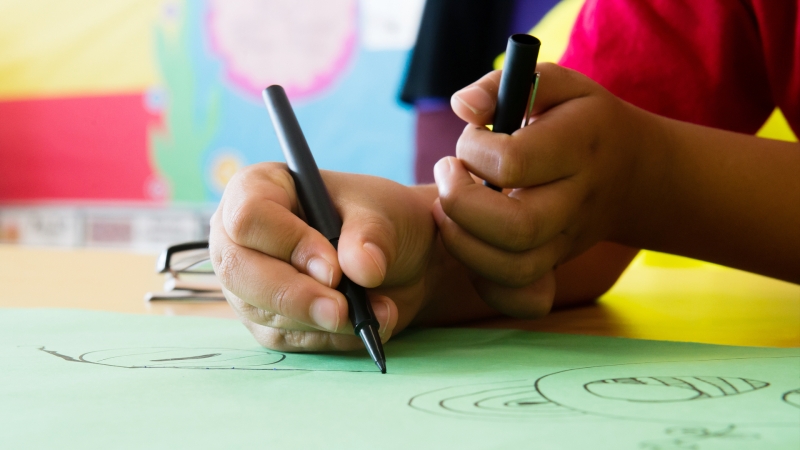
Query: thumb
point(387, 243)
point(476, 103)
point(367, 247)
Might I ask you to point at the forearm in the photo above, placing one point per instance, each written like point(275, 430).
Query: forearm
point(718, 196)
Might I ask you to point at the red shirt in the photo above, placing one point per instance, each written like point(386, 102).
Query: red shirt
point(721, 63)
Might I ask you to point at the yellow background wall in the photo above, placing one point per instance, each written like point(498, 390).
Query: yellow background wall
point(50, 48)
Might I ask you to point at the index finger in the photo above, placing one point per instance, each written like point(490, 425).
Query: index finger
point(257, 213)
point(475, 103)
point(273, 285)
point(545, 151)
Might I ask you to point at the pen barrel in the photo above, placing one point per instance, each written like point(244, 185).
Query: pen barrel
point(359, 309)
point(314, 198)
point(519, 68)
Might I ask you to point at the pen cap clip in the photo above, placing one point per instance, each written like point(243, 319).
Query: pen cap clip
point(531, 99)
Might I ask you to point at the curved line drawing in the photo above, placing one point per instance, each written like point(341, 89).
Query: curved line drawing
point(657, 417)
point(526, 399)
point(671, 389)
point(792, 397)
point(210, 355)
point(203, 358)
point(177, 358)
point(516, 399)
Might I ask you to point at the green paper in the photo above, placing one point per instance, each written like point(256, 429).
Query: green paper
point(83, 379)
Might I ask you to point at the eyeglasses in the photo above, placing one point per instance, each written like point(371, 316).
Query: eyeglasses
point(189, 275)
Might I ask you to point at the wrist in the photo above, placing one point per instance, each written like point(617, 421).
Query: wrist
point(649, 148)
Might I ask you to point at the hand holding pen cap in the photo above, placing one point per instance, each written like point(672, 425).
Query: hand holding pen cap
point(517, 90)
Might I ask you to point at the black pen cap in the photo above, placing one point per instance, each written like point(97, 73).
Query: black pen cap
point(515, 86)
point(317, 205)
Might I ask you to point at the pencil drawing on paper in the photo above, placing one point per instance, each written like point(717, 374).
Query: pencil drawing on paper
point(517, 399)
point(792, 397)
point(208, 358)
point(212, 358)
point(523, 399)
point(178, 358)
point(653, 392)
point(696, 404)
point(671, 389)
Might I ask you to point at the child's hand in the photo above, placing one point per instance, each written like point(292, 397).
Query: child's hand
point(279, 274)
point(567, 176)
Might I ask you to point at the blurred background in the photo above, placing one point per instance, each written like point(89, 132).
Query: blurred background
point(122, 121)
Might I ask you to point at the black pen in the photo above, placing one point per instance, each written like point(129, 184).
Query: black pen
point(320, 213)
point(517, 86)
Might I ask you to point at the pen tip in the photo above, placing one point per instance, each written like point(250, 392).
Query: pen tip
point(369, 335)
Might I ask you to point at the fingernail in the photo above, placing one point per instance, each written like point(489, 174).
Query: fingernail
point(325, 313)
point(381, 310)
point(476, 99)
point(320, 270)
point(377, 256)
point(442, 169)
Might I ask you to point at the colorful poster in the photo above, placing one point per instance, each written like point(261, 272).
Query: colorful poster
point(158, 100)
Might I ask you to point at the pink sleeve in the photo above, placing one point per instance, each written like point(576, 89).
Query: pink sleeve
point(696, 61)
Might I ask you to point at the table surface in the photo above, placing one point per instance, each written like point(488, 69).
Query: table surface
point(657, 298)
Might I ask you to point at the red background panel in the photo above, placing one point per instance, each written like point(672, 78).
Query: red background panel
point(75, 148)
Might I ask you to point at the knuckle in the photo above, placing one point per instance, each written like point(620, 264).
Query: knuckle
point(242, 179)
point(281, 298)
point(551, 67)
point(342, 342)
point(519, 230)
point(464, 143)
point(520, 274)
point(370, 224)
point(474, 144)
point(271, 338)
point(451, 201)
point(238, 221)
point(511, 166)
point(382, 232)
point(296, 338)
point(238, 305)
point(278, 173)
point(258, 171)
point(227, 262)
point(266, 318)
point(248, 172)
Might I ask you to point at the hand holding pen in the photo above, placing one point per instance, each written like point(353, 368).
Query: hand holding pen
point(280, 274)
point(569, 177)
point(321, 214)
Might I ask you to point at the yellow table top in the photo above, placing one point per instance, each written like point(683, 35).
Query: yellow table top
point(656, 298)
